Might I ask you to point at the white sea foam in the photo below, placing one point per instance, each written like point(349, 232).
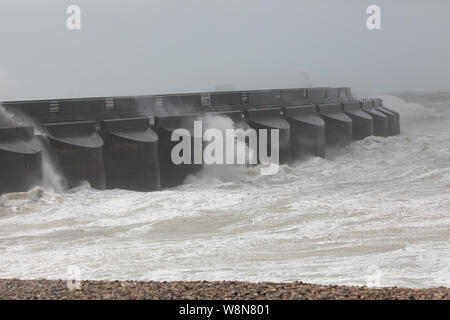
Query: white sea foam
point(381, 204)
point(20, 198)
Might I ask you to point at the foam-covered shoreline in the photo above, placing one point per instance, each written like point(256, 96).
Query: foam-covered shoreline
point(202, 290)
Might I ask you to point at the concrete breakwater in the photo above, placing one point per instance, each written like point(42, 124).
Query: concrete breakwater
point(126, 142)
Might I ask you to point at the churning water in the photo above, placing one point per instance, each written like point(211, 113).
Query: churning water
point(380, 208)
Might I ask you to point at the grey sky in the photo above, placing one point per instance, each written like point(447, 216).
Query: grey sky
point(142, 47)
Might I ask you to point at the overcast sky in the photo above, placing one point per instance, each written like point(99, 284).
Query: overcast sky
point(167, 46)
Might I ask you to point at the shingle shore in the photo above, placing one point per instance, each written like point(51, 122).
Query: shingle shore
point(136, 290)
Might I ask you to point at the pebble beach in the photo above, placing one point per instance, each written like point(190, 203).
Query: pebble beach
point(13, 289)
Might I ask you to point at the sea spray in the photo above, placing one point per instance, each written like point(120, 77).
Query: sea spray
point(410, 112)
point(240, 150)
point(9, 119)
point(51, 179)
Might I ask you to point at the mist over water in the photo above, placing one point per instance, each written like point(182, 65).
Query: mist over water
point(7, 119)
point(380, 204)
